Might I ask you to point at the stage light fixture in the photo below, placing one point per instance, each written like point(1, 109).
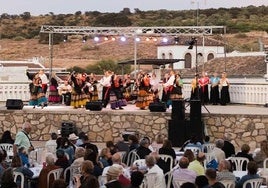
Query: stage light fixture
point(96, 39)
point(84, 39)
point(147, 39)
point(176, 40)
point(106, 38)
point(65, 38)
point(191, 43)
point(113, 38)
point(154, 39)
point(165, 39)
point(123, 39)
point(137, 39)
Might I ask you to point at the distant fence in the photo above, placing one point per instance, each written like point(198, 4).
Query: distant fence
point(240, 93)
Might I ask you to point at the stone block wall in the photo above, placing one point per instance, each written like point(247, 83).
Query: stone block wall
point(109, 125)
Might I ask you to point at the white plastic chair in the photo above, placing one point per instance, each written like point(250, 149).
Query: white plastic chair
point(238, 162)
point(51, 149)
point(73, 170)
point(131, 157)
point(228, 183)
point(178, 183)
point(207, 148)
point(18, 176)
point(55, 173)
point(102, 180)
point(194, 149)
point(209, 157)
point(168, 175)
point(254, 183)
point(140, 163)
point(265, 163)
point(9, 149)
point(37, 155)
point(167, 158)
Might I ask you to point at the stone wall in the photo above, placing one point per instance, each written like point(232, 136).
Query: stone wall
point(109, 125)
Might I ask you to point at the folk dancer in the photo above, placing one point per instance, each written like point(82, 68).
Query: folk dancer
point(168, 86)
point(65, 91)
point(54, 96)
point(106, 87)
point(165, 94)
point(144, 95)
point(203, 88)
point(116, 95)
point(44, 80)
point(154, 82)
point(78, 97)
point(224, 88)
point(93, 80)
point(214, 89)
point(194, 88)
point(127, 87)
point(176, 93)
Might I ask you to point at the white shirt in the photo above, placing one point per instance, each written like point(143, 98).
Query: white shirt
point(106, 81)
point(44, 78)
point(218, 153)
point(160, 178)
point(170, 81)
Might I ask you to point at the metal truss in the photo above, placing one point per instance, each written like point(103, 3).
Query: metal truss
point(134, 31)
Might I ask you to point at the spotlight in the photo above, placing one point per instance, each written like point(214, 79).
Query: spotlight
point(84, 39)
point(137, 39)
point(176, 39)
point(155, 39)
point(147, 39)
point(113, 38)
point(165, 39)
point(123, 39)
point(96, 39)
point(106, 38)
point(65, 38)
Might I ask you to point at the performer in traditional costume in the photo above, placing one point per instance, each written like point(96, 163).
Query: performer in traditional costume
point(203, 88)
point(168, 86)
point(106, 87)
point(214, 89)
point(224, 87)
point(165, 93)
point(144, 96)
point(54, 96)
point(176, 92)
point(78, 97)
point(116, 94)
point(154, 82)
point(44, 80)
point(194, 88)
point(127, 87)
point(65, 91)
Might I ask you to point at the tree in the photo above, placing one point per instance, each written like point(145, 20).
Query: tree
point(26, 16)
point(113, 19)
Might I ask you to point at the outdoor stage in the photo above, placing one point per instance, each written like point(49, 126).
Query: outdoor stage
point(246, 124)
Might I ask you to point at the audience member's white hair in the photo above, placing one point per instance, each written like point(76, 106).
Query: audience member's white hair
point(50, 160)
point(26, 125)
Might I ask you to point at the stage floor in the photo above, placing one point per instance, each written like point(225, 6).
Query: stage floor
point(213, 109)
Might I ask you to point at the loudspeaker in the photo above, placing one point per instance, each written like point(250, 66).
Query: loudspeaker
point(157, 107)
point(195, 110)
point(178, 110)
point(94, 106)
point(68, 128)
point(176, 132)
point(15, 104)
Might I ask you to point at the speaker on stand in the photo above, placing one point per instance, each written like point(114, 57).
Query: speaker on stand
point(196, 127)
point(14, 104)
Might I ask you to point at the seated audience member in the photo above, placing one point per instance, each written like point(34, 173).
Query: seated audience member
point(116, 160)
point(197, 164)
point(59, 183)
point(261, 154)
point(87, 145)
point(113, 177)
point(73, 139)
point(81, 135)
point(183, 173)
point(7, 179)
point(62, 160)
point(105, 157)
point(16, 164)
point(50, 165)
point(67, 148)
point(87, 179)
point(93, 157)
point(211, 175)
point(121, 145)
point(112, 147)
point(7, 138)
point(3, 163)
point(51, 144)
point(79, 156)
point(252, 169)
point(224, 171)
point(206, 139)
point(136, 179)
point(228, 147)
point(157, 143)
point(154, 168)
point(189, 154)
point(24, 157)
point(143, 150)
point(217, 150)
point(245, 153)
point(167, 149)
point(201, 182)
point(2, 167)
point(194, 142)
point(188, 185)
point(133, 142)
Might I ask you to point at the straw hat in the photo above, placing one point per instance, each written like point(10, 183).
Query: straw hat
point(73, 137)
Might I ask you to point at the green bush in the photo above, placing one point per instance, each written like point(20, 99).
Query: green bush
point(18, 38)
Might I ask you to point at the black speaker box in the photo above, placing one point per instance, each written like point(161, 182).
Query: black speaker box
point(195, 110)
point(178, 110)
point(68, 128)
point(15, 104)
point(176, 132)
point(94, 106)
point(157, 107)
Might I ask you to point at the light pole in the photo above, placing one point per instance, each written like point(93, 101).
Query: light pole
point(50, 46)
point(135, 57)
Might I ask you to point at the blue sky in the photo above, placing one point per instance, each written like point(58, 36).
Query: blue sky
point(37, 7)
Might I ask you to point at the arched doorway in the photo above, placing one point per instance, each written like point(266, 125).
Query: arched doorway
point(188, 60)
point(210, 56)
